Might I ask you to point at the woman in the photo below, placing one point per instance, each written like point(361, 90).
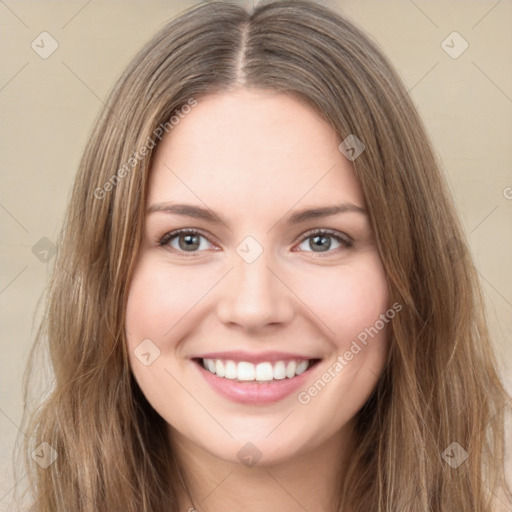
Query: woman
point(263, 296)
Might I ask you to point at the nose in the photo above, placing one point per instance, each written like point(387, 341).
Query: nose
point(254, 297)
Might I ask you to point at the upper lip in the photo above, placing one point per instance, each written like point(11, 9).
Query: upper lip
point(240, 355)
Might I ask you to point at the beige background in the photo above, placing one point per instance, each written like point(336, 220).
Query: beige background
point(48, 107)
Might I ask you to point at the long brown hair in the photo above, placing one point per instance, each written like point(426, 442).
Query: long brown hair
point(440, 395)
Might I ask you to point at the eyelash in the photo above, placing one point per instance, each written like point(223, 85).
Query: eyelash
point(345, 241)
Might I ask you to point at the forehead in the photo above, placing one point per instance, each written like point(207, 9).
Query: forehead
point(249, 148)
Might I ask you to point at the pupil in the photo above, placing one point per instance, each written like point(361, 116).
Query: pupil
point(321, 240)
point(191, 242)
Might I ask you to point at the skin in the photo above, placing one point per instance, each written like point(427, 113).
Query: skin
point(255, 157)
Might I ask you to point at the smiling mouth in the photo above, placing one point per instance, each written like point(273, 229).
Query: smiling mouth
point(264, 372)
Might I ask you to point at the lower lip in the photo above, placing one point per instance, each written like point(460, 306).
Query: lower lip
point(254, 392)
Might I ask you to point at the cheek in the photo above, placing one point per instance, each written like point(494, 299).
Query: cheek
point(351, 301)
point(160, 298)
point(347, 299)
point(159, 302)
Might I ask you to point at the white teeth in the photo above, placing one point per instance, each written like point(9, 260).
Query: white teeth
point(245, 371)
point(290, 369)
point(231, 371)
point(264, 371)
point(219, 368)
point(301, 367)
point(261, 372)
point(279, 370)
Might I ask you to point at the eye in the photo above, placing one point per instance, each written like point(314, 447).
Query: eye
point(321, 241)
point(192, 241)
point(185, 240)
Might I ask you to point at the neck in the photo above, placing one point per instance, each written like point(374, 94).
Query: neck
point(308, 481)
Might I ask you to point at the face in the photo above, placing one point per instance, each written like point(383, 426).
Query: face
point(286, 303)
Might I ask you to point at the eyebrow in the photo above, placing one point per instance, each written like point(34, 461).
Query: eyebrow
point(197, 212)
